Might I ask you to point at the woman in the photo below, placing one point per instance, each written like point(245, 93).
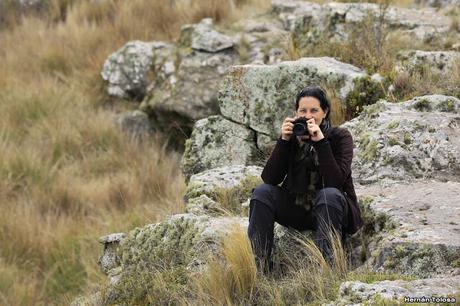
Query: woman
point(317, 191)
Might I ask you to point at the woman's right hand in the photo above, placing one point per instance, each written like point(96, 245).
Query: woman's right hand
point(286, 128)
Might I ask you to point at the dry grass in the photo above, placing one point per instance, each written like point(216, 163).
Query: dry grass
point(234, 280)
point(229, 280)
point(67, 174)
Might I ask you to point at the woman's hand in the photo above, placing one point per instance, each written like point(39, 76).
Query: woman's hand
point(286, 128)
point(315, 132)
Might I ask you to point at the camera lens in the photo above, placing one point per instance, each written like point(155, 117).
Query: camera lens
point(300, 128)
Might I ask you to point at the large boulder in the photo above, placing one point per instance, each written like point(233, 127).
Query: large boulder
point(216, 142)
point(401, 141)
point(184, 242)
point(193, 95)
point(255, 99)
point(418, 228)
point(127, 70)
point(204, 56)
point(260, 97)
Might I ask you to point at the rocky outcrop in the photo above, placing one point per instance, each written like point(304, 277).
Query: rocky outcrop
point(184, 241)
point(205, 57)
point(402, 141)
point(431, 290)
point(419, 228)
point(439, 62)
point(254, 100)
point(335, 21)
point(405, 160)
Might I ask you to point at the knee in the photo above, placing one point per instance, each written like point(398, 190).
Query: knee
point(262, 191)
point(332, 197)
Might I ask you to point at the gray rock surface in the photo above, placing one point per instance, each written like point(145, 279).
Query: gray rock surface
point(222, 177)
point(110, 259)
point(205, 38)
point(127, 70)
point(423, 237)
point(135, 124)
point(185, 240)
point(260, 97)
point(217, 142)
point(335, 21)
point(353, 292)
point(202, 187)
point(439, 3)
point(193, 94)
point(401, 141)
point(444, 62)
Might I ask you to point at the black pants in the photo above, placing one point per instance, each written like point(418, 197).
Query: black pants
point(270, 204)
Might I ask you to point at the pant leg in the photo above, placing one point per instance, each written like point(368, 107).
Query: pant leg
point(269, 204)
point(330, 211)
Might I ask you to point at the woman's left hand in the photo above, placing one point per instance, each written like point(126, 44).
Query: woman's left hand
point(315, 131)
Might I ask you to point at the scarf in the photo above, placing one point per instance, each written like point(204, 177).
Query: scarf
point(303, 175)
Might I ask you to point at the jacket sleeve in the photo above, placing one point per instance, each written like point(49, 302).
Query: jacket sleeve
point(335, 167)
point(277, 165)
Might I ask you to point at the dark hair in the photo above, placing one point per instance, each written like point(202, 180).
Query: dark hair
point(318, 93)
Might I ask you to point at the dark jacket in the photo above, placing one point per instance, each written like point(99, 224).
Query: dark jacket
point(335, 153)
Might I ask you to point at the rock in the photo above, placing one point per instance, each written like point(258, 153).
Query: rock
point(377, 78)
point(440, 62)
point(135, 124)
point(217, 142)
point(184, 241)
point(439, 3)
point(127, 70)
point(336, 21)
point(226, 177)
point(260, 41)
point(193, 95)
point(109, 259)
point(352, 292)
point(291, 10)
point(260, 97)
point(420, 234)
point(203, 205)
point(204, 38)
point(402, 141)
point(205, 188)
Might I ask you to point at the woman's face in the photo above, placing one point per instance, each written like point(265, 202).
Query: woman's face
point(309, 107)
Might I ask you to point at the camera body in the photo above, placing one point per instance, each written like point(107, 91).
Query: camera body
point(300, 127)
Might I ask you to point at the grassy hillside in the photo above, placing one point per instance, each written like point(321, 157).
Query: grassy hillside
point(67, 175)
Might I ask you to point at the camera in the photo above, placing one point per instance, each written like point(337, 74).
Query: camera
point(300, 127)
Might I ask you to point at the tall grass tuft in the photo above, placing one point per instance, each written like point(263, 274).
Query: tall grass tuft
point(229, 279)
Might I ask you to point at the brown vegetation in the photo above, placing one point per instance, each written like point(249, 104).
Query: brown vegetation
point(68, 175)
